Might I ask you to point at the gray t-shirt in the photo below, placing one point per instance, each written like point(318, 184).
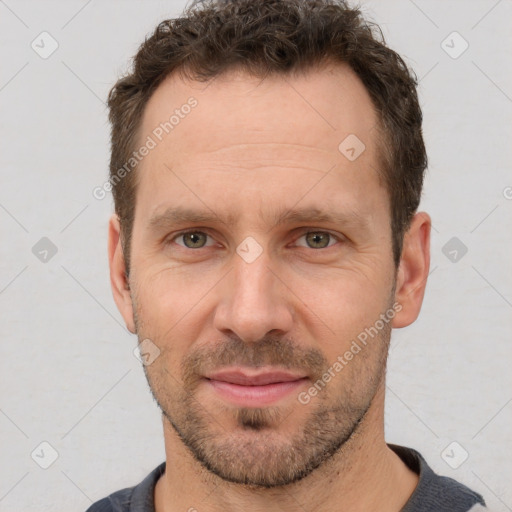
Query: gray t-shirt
point(433, 493)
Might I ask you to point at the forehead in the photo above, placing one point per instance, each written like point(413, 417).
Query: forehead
point(306, 108)
point(237, 123)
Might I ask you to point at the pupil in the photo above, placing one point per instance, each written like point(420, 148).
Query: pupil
point(319, 240)
point(194, 239)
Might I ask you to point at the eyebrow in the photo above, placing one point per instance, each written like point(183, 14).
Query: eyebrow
point(350, 218)
point(183, 215)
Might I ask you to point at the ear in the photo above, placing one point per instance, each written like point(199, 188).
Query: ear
point(118, 281)
point(413, 270)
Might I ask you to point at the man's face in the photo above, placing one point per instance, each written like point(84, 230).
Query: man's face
point(261, 159)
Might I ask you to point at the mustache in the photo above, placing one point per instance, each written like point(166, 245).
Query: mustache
point(269, 351)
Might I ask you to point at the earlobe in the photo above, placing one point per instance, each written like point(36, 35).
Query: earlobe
point(118, 278)
point(413, 270)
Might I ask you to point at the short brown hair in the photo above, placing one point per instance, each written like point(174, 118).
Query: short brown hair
point(265, 37)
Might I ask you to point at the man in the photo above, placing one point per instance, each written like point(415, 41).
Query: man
point(267, 166)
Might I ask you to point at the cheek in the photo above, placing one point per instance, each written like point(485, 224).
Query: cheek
point(170, 306)
point(168, 293)
point(342, 297)
point(336, 314)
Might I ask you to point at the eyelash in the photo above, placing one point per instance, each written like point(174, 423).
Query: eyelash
point(181, 233)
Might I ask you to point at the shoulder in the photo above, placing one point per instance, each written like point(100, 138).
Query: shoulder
point(118, 501)
point(139, 498)
point(435, 492)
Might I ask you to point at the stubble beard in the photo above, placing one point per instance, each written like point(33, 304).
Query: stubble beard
point(254, 453)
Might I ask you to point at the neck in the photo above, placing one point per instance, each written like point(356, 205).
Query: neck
point(363, 475)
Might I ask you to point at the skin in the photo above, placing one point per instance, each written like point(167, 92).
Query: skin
point(251, 150)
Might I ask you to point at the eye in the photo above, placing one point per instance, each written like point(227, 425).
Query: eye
point(317, 239)
point(191, 239)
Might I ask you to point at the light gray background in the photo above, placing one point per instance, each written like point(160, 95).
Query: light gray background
point(68, 373)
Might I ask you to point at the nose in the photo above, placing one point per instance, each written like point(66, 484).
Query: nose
point(254, 302)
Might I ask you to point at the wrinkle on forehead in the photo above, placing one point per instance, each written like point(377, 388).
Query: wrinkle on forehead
point(258, 155)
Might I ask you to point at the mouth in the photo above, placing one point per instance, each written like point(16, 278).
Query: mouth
point(246, 388)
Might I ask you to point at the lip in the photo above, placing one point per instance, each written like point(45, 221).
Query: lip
point(244, 378)
point(244, 389)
